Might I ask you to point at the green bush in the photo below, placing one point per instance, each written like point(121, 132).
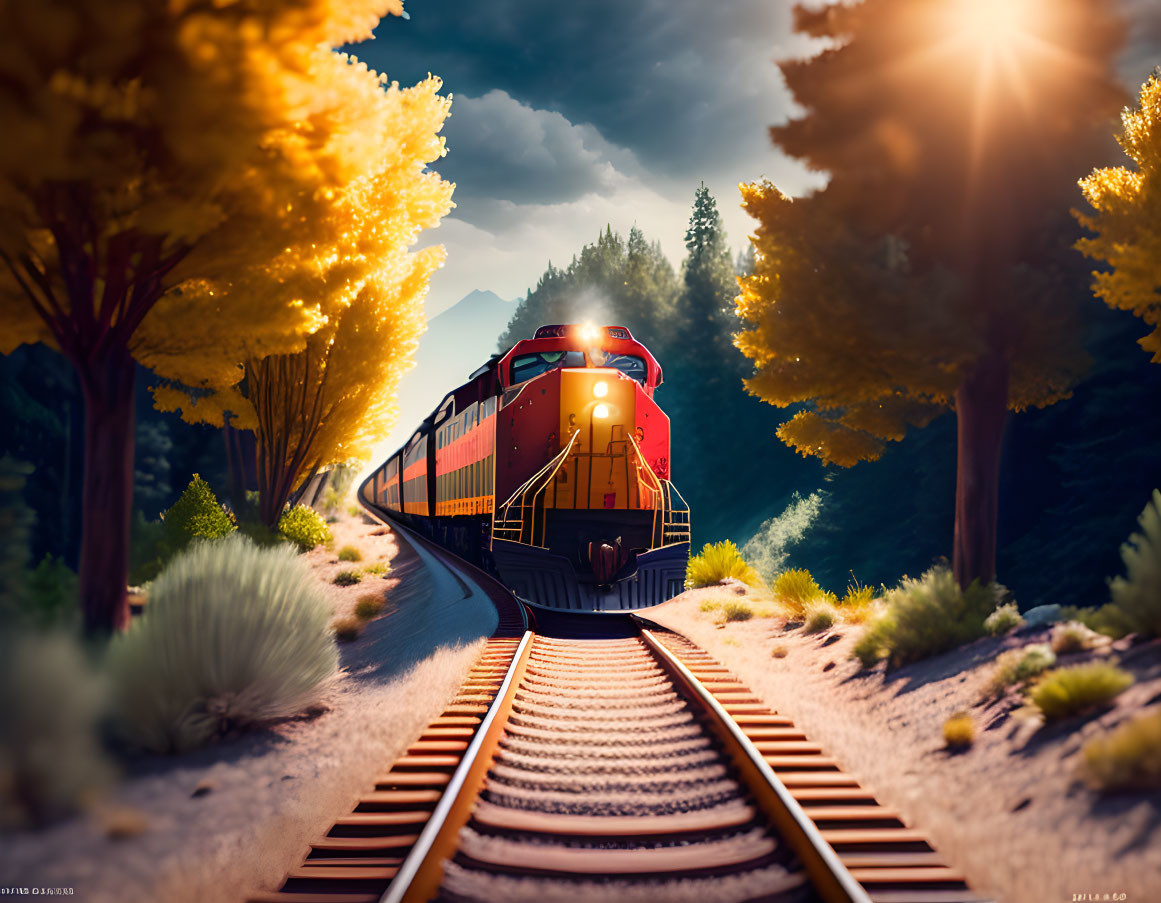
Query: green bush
point(734, 610)
point(304, 527)
point(146, 549)
point(347, 578)
point(49, 596)
point(820, 616)
point(50, 755)
point(197, 514)
point(233, 635)
point(350, 553)
point(1003, 620)
point(378, 569)
point(715, 563)
point(1128, 758)
point(1069, 691)
point(1019, 665)
point(795, 589)
point(369, 606)
point(1108, 620)
point(1138, 594)
point(925, 617)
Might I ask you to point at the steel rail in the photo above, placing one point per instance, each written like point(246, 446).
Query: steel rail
point(830, 877)
point(420, 873)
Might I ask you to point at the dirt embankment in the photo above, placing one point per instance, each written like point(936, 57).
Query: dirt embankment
point(1011, 812)
point(235, 816)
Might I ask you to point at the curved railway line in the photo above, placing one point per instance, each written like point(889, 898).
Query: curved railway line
point(626, 765)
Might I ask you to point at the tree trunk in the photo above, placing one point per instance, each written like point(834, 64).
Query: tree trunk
point(981, 408)
point(107, 385)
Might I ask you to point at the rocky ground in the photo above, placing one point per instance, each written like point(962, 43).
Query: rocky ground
point(231, 818)
point(1011, 812)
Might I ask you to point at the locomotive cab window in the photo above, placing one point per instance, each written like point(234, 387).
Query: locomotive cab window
point(629, 364)
point(527, 366)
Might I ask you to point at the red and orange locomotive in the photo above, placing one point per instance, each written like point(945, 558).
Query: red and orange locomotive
point(550, 468)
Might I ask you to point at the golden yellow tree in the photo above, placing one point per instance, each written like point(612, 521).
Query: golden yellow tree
point(1128, 218)
point(165, 167)
point(916, 280)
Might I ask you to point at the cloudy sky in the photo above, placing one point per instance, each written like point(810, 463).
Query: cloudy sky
point(568, 116)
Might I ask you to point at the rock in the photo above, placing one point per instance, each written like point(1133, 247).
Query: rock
point(203, 789)
point(1042, 615)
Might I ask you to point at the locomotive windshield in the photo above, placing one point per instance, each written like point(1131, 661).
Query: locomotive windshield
point(526, 366)
point(632, 366)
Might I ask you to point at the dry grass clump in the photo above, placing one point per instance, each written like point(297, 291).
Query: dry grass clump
point(857, 606)
point(1108, 620)
point(735, 610)
point(710, 605)
point(369, 606)
point(779, 651)
point(715, 563)
point(350, 553)
point(1078, 688)
point(1019, 665)
point(820, 616)
point(378, 569)
point(233, 635)
point(346, 578)
point(959, 731)
point(1138, 594)
point(1072, 636)
point(347, 629)
point(796, 589)
point(51, 760)
point(1128, 758)
point(925, 617)
point(1003, 620)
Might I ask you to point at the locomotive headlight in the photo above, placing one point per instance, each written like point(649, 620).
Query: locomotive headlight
point(600, 389)
point(601, 411)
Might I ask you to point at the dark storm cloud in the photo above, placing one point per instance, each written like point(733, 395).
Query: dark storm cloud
point(688, 86)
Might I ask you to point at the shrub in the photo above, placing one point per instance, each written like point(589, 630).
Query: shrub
point(1019, 665)
point(734, 610)
point(708, 605)
point(857, 597)
point(350, 553)
point(795, 589)
point(304, 527)
point(346, 578)
point(925, 617)
point(1069, 691)
point(1128, 758)
point(233, 635)
point(1138, 594)
point(1003, 620)
point(355, 510)
point(50, 756)
point(369, 605)
point(146, 548)
point(197, 514)
point(1072, 636)
point(49, 599)
point(347, 629)
point(378, 569)
point(1108, 620)
point(716, 562)
point(820, 616)
point(959, 731)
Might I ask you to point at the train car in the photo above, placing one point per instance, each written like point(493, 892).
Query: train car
point(550, 468)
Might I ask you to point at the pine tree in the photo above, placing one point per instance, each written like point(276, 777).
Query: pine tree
point(915, 281)
point(1127, 222)
point(169, 185)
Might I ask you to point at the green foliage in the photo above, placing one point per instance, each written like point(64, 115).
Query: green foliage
point(1019, 665)
point(196, 514)
point(959, 731)
point(1069, 691)
point(1108, 620)
point(735, 610)
point(1003, 620)
point(715, 563)
point(925, 617)
point(51, 595)
point(1138, 594)
point(1128, 758)
point(355, 510)
point(378, 569)
point(820, 616)
point(146, 549)
point(304, 527)
point(369, 606)
point(795, 589)
point(50, 754)
point(350, 553)
point(234, 635)
point(347, 578)
point(347, 629)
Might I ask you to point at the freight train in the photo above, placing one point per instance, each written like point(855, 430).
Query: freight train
point(549, 468)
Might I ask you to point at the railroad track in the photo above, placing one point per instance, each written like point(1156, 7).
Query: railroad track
point(630, 767)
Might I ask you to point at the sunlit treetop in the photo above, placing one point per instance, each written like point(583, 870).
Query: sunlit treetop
point(1127, 221)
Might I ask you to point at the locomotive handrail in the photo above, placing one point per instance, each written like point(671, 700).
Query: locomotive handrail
point(550, 469)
